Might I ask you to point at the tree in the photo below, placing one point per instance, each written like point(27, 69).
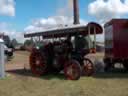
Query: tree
point(7, 40)
point(14, 42)
point(28, 42)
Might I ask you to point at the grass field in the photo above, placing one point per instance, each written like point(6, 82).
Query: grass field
point(20, 82)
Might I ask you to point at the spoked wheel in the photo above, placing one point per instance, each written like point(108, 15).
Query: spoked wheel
point(87, 67)
point(37, 62)
point(72, 70)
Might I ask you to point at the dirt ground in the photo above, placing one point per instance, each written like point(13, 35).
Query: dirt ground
point(20, 82)
point(19, 61)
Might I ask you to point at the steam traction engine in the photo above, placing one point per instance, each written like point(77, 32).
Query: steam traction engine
point(65, 53)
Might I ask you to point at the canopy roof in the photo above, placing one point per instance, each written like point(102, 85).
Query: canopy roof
point(90, 28)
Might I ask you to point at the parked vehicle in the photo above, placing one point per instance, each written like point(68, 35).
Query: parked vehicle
point(8, 51)
point(116, 43)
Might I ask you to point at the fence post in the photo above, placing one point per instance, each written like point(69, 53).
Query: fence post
point(2, 60)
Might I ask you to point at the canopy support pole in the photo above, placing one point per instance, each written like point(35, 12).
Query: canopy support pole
point(94, 37)
point(89, 31)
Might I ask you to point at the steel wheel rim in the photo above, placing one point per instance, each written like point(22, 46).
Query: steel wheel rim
point(72, 70)
point(87, 68)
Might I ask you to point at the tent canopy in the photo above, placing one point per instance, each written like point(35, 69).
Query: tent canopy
point(90, 28)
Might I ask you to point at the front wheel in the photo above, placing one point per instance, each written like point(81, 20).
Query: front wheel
point(72, 70)
point(87, 67)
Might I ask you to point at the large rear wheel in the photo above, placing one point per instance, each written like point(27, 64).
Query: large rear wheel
point(72, 70)
point(37, 62)
point(87, 67)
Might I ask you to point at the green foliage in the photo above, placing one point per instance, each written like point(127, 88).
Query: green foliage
point(14, 42)
point(7, 40)
point(28, 42)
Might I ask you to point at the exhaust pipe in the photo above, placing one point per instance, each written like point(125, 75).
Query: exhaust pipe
point(76, 12)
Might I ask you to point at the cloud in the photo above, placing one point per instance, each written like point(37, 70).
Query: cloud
point(7, 7)
point(19, 36)
point(105, 10)
point(50, 23)
point(7, 30)
point(70, 4)
point(65, 8)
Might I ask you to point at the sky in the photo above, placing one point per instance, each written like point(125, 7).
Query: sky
point(20, 16)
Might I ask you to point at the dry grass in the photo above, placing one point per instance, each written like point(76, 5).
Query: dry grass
point(23, 83)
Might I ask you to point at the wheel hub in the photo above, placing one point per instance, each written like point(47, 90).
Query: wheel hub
point(70, 70)
point(37, 62)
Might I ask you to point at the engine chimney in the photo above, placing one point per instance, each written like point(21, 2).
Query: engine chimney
point(76, 11)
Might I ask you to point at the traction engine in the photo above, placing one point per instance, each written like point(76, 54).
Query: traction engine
point(66, 52)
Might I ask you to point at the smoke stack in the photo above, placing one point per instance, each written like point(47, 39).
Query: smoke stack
point(76, 11)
